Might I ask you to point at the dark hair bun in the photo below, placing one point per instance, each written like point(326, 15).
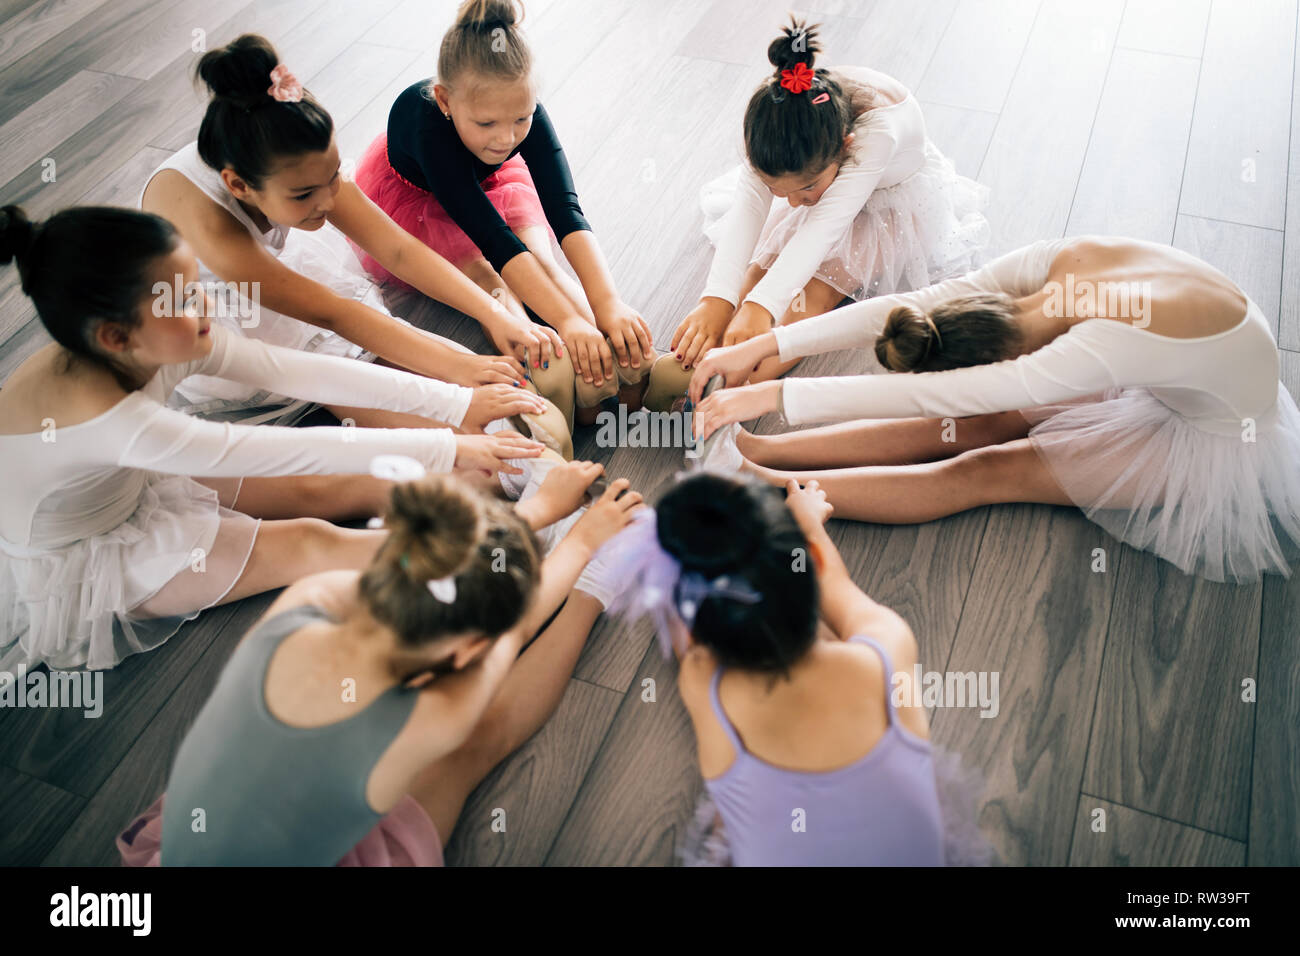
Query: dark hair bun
point(906, 341)
point(241, 69)
point(714, 529)
point(796, 44)
point(16, 234)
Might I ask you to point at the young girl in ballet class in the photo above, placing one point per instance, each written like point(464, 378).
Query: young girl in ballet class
point(262, 200)
point(290, 770)
point(870, 206)
point(1125, 378)
point(806, 758)
point(472, 167)
point(107, 544)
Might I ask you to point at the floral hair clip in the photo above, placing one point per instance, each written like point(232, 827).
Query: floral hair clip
point(799, 79)
point(284, 86)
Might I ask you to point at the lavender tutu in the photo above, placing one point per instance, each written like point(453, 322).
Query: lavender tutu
point(510, 190)
point(404, 837)
point(927, 228)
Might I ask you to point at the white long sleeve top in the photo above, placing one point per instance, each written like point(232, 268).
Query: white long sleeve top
point(1216, 381)
point(72, 482)
point(888, 146)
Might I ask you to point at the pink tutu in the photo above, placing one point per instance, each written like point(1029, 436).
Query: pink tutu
point(404, 837)
point(510, 189)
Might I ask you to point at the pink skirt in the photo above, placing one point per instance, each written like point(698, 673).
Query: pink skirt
point(404, 837)
point(510, 190)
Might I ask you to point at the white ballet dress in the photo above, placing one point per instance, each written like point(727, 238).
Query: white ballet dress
point(897, 217)
point(107, 545)
point(323, 255)
point(1189, 448)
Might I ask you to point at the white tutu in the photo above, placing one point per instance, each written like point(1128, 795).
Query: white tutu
point(325, 256)
point(927, 228)
point(704, 842)
point(103, 598)
point(1216, 505)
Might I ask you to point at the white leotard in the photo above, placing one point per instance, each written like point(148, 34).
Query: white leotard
point(888, 147)
point(1216, 381)
point(85, 479)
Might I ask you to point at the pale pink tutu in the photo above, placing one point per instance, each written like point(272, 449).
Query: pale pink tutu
point(1213, 505)
point(510, 190)
point(404, 837)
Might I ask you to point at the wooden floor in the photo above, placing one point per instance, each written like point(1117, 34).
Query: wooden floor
point(1121, 690)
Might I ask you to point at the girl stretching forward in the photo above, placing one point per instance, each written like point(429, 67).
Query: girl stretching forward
point(471, 166)
point(262, 200)
point(871, 205)
point(352, 722)
point(806, 754)
point(107, 546)
point(1126, 378)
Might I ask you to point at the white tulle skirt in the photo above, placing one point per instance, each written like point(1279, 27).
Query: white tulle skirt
point(1224, 507)
point(103, 598)
point(929, 227)
point(959, 787)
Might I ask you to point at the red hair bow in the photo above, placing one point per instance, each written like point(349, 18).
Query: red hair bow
point(798, 80)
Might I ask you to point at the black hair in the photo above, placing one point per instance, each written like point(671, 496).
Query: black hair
point(84, 266)
point(245, 128)
point(743, 529)
point(785, 132)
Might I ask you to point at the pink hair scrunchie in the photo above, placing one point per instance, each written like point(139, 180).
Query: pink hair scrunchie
point(284, 86)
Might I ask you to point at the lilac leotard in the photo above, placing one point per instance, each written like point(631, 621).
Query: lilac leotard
point(881, 810)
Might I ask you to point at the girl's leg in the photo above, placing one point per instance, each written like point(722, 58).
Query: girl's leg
point(287, 550)
point(894, 441)
point(910, 494)
point(530, 694)
point(332, 497)
point(818, 298)
point(669, 379)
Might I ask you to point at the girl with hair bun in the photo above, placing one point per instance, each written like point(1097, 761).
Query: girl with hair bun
point(472, 167)
point(107, 544)
point(264, 202)
point(356, 717)
point(809, 757)
point(871, 206)
point(1125, 378)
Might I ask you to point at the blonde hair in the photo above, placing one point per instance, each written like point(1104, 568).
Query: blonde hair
point(485, 40)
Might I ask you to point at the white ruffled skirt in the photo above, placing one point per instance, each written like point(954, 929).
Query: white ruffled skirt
point(101, 599)
point(925, 229)
point(1224, 507)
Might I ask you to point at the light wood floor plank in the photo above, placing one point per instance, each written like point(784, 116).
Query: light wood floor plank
point(977, 59)
point(1165, 26)
point(1237, 158)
